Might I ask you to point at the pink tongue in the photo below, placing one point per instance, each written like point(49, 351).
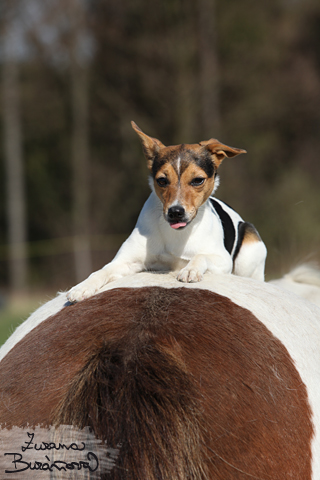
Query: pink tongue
point(178, 225)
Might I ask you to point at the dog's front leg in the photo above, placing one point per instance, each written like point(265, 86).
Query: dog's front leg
point(129, 260)
point(201, 263)
point(109, 273)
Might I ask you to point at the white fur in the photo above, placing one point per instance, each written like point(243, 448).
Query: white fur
point(293, 320)
point(250, 261)
point(194, 250)
point(216, 184)
point(178, 165)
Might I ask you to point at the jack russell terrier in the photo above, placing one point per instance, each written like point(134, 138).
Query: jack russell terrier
point(181, 225)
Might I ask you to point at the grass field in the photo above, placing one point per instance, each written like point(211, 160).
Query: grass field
point(15, 311)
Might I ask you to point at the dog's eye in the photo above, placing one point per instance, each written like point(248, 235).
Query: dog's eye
point(162, 181)
point(197, 181)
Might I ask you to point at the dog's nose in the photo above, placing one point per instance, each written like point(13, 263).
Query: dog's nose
point(176, 212)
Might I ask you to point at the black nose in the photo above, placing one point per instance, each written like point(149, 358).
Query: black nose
point(176, 212)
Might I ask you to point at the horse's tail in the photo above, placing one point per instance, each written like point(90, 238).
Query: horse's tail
point(141, 400)
point(303, 280)
point(307, 273)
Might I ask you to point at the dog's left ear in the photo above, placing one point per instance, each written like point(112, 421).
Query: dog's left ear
point(150, 145)
point(219, 151)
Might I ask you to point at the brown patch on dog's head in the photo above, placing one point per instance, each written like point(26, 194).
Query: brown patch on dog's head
point(188, 188)
point(219, 151)
point(184, 175)
point(154, 150)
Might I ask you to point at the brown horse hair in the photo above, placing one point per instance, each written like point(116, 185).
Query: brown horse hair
point(142, 401)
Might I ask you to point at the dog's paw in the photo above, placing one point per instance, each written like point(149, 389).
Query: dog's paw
point(88, 287)
point(81, 292)
point(189, 275)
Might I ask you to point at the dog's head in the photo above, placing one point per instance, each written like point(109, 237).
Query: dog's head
point(183, 176)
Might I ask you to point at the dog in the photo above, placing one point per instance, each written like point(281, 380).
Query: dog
point(182, 227)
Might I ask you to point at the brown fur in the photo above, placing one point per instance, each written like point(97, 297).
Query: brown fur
point(250, 235)
point(191, 385)
point(196, 160)
point(152, 147)
point(180, 189)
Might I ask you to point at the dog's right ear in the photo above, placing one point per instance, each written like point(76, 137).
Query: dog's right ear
point(150, 145)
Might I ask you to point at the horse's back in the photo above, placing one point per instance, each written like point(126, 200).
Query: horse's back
point(189, 383)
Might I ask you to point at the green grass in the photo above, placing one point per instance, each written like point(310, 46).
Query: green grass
point(14, 313)
point(8, 323)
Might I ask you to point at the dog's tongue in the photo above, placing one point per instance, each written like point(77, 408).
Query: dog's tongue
point(178, 225)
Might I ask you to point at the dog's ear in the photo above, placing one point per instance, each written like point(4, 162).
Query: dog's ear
point(219, 151)
point(150, 145)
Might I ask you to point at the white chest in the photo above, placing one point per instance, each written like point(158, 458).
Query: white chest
point(175, 248)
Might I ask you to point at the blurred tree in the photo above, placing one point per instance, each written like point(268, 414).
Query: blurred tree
point(80, 142)
point(209, 87)
point(246, 72)
point(16, 199)
point(59, 33)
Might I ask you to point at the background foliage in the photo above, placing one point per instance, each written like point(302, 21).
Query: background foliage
point(246, 72)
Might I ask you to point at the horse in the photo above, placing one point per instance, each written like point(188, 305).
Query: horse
point(206, 381)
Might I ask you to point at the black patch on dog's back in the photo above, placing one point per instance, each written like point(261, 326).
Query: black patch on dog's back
point(241, 232)
point(227, 224)
point(244, 228)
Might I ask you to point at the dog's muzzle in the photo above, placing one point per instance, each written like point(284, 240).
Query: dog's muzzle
point(176, 217)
